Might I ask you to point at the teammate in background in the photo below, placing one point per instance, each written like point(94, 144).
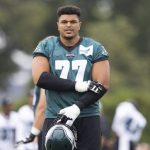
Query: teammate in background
point(39, 105)
point(9, 125)
point(26, 116)
point(128, 124)
point(74, 71)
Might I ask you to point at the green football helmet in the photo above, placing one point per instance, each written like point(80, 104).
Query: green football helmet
point(60, 137)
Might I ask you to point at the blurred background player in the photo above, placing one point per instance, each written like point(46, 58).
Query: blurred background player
point(128, 124)
point(9, 125)
point(39, 104)
point(26, 116)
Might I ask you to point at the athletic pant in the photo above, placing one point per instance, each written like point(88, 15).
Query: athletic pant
point(40, 141)
point(122, 144)
point(88, 132)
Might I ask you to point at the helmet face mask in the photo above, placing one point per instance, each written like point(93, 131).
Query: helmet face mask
point(60, 137)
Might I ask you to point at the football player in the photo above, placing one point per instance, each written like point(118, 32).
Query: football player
point(9, 125)
point(128, 124)
point(74, 70)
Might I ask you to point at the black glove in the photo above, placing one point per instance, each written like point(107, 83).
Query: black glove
point(28, 139)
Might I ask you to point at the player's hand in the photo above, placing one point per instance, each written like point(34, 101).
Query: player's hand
point(95, 87)
point(82, 86)
point(71, 112)
point(28, 139)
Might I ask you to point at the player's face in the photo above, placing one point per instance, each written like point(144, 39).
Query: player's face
point(7, 108)
point(69, 26)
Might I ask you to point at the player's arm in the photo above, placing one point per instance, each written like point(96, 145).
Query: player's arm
point(100, 73)
point(42, 78)
point(40, 110)
point(38, 121)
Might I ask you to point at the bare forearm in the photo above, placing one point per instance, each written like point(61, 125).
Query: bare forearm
point(39, 114)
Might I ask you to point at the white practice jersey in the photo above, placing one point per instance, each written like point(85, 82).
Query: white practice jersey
point(26, 116)
point(9, 126)
point(128, 122)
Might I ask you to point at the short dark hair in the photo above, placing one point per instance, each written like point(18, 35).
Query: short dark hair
point(69, 10)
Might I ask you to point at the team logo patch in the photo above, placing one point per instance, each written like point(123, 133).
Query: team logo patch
point(86, 50)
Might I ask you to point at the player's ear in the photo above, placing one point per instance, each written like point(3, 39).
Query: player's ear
point(57, 25)
point(80, 23)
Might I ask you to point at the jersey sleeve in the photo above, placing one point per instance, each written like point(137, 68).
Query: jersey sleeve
point(99, 53)
point(44, 47)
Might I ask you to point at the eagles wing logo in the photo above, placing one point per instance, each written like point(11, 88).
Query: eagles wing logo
point(86, 50)
point(104, 52)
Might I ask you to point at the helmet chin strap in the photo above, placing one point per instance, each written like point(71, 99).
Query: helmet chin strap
point(63, 119)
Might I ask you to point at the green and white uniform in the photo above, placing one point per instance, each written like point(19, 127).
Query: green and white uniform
point(73, 63)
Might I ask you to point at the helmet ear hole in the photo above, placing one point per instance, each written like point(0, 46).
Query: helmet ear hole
point(59, 137)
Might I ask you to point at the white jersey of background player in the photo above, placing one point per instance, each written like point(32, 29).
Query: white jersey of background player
point(26, 116)
point(128, 124)
point(9, 125)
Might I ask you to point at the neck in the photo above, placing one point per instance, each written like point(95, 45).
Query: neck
point(69, 42)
